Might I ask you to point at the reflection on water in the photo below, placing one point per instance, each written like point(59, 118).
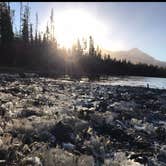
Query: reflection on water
point(153, 82)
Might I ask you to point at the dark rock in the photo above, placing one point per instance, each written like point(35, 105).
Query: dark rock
point(162, 155)
point(64, 133)
point(29, 112)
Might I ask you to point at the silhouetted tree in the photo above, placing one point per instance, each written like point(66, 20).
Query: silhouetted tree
point(44, 38)
point(91, 46)
point(45, 54)
point(6, 31)
point(39, 38)
point(47, 32)
point(36, 30)
point(31, 33)
point(78, 48)
point(25, 29)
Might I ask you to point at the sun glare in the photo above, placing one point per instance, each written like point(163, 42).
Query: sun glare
point(77, 23)
point(74, 24)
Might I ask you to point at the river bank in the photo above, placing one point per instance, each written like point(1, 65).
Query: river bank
point(47, 121)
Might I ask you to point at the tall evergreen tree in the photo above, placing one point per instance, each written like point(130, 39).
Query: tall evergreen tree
point(31, 33)
point(91, 46)
point(84, 41)
point(79, 49)
point(6, 30)
point(47, 32)
point(44, 38)
point(36, 30)
point(25, 29)
point(52, 24)
point(39, 38)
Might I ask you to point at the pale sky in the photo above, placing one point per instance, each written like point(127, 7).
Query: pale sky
point(114, 25)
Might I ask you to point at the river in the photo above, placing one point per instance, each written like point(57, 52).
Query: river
point(154, 82)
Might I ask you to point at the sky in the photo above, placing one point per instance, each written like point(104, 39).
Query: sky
point(115, 25)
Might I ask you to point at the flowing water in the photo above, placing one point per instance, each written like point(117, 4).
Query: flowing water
point(153, 82)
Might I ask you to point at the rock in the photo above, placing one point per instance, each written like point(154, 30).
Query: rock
point(67, 129)
point(162, 154)
point(85, 160)
point(2, 111)
point(161, 133)
point(3, 153)
point(141, 158)
point(68, 146)
point(29, 112)
point(38, 147)
point(124, 106)
point(102, 106)
point(22, 75)
point(26, 149)
point(1, 143)
point(86, 122)
point(2, 162)
point(59, 157)
point(120, 159)
point(63, 132)
point(1, 131)
point(8, 106)
point(7, 138)
point(31, 161)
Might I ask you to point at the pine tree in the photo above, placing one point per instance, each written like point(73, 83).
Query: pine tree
point(44, 38)
point(74, 49)
point(47, 33)
point(98, 52)
point(6, 30)
point(84, 41)
point(31, 33)
point(52, 24)
point(91, 46)
point(36, 31)
point(25, 29)
point(79, 49)
point(39, 38)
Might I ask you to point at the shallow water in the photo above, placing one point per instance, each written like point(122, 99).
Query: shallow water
point(159, 83)
point(154, 82)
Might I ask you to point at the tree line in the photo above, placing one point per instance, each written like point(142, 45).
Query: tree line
point(29, 48)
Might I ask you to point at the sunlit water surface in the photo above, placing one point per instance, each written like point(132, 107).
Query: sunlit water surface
point(153, 82)
point(159, 83)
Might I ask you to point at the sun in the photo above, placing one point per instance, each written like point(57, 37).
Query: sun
point(73, 24)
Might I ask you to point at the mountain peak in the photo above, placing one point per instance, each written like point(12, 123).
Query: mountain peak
point(135, 56)
point(135, 50)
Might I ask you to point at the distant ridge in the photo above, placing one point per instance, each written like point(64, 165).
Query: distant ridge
point(135, 56)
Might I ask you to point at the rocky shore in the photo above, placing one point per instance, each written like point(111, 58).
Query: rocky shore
point(47, 122)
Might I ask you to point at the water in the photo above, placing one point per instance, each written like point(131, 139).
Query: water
point(154, 82)
point(159, 83)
